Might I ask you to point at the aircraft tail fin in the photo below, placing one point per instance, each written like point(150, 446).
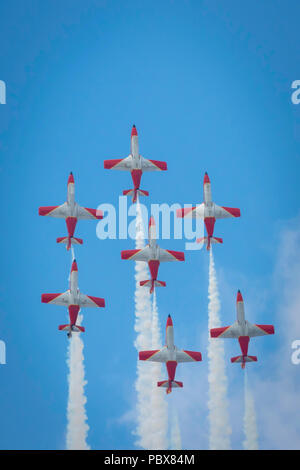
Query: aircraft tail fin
point(69, 241)
point(134, 193)
point(150, 283)
point(169, 384)
point(243, 359)
point(208, 240)
point(75, 328)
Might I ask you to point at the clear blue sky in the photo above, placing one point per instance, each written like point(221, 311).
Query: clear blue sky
point(208, 85)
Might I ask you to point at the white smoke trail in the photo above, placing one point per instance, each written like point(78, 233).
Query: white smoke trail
point(250, 426)
point(156, 332)
point(219, 426)
point(146, 379)
point(77, 427)
point(159, 405)
point(175, 432)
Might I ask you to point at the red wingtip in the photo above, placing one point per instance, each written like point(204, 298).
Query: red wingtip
point(74, 266)
point(206, 178)
point(169, 321)
point(239, 297)
point(151, 221)
point(71, 178)
point(133, 131)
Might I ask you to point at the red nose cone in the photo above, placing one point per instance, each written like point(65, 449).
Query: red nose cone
point(239, 297)
point(206, 178)
point(151, 221)
point(133, 131)
point(71, 178)
point(74, 266)
point(169, 321)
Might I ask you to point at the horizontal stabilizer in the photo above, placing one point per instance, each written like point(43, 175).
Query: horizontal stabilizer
point(212, 240)
point(74, 241)
point(148, 283)
point(132, 192)
point(75, 328)
point(240, 359)
point(174, 384)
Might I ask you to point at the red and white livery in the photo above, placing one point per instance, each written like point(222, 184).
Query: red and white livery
point(153, 255)
point(243, 331)
point(209, 212)
point(71, 212)
point(137, 165)
point(171, 355)
point(74, 300)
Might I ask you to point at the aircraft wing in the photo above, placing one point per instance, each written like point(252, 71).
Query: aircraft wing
point(55, 211)
point(124, 164)
point(56, 299)
point(169, 255)
point(259, 330)
point(188, 356)
point(232, 331)
point(89, 301)
point(157, 355)
point(226, 212)
point(153, 165)
point(136, 255)
point(86, 213)
point(191, 212)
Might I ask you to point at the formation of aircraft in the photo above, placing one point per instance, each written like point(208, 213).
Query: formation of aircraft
point(71, 212)
point(153, 255)
point(137, 165)
point(243, 331)
point(209, 212)
point(74, 300)
point(171, 356)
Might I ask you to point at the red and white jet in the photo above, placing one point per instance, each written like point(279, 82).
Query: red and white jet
point(171, 355)
point(209, 212)
point(153, 255)
point(136, 164)
point(74, 300)
point(243, 331)
point(71, 212)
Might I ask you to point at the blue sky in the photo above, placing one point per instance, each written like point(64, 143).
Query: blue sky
point(208, 86)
